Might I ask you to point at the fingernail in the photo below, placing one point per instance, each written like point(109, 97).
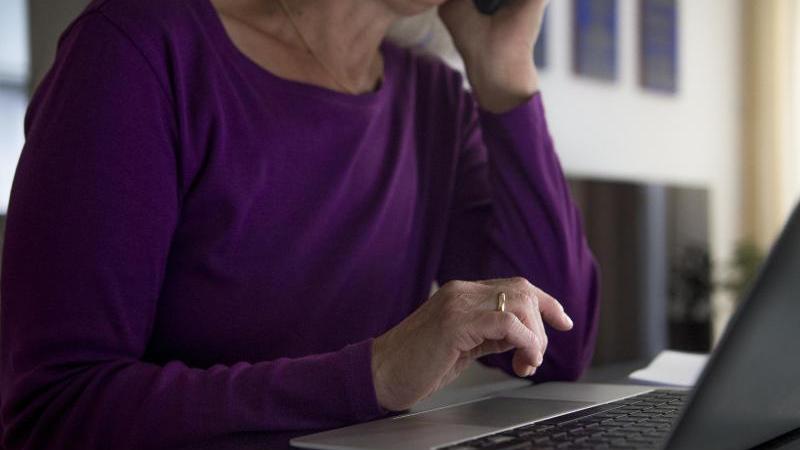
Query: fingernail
point(530, 371)
point(569, 321)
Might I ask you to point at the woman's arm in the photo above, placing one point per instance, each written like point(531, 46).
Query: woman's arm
point(94, 206)
point(513, 216)
point(512, 212)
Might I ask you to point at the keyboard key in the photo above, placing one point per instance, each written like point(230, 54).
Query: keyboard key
point(661, 419)
point(513, 446)
point(626, 419)
point(639, 428)
point(525, 434)
point(615, 435)
point(632, 408)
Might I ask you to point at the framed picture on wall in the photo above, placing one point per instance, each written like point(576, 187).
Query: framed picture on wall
point(595, 28)
point(658, 29)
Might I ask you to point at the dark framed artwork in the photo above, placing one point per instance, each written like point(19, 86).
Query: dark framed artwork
point(658, 29)
point(595, 28)
point(540, 55)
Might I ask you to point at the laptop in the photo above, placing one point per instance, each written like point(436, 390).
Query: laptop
point(748, 394)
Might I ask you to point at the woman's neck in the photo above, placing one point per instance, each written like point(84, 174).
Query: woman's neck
point(344, 34)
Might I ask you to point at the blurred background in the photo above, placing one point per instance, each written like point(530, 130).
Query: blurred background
point(673, 120)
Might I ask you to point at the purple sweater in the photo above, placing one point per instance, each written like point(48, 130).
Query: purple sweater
point(197, 248)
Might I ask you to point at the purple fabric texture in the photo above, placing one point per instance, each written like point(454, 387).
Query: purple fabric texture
point(197, 248)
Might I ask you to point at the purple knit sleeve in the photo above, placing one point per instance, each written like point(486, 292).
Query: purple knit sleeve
point(93, 209)
point(513, 216)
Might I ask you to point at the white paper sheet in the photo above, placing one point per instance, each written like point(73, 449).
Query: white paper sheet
point(673, 368)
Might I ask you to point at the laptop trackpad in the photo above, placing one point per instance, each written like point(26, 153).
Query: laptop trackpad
point(501, 411)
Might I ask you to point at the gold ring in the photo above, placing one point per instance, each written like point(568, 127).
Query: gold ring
point(501, 302)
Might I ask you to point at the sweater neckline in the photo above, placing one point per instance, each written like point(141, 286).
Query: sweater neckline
point(370, 99)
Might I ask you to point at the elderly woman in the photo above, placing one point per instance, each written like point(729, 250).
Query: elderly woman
point(228, 216)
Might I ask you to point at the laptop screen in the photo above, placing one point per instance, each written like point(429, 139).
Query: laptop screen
point(750, 393)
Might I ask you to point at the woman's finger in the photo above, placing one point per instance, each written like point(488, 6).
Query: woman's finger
point(525, 308)
point(490, 348)
point(528, 312)
point(505, 326)
point(552, 311)
point(541, 334)
point(522, 299)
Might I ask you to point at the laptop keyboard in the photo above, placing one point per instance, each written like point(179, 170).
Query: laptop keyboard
point(640, 422)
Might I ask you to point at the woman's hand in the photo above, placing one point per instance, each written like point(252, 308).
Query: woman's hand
point(497, 49)
point(460, 323)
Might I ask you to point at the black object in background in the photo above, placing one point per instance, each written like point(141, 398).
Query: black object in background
point(488, 6)
point(652, 243)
